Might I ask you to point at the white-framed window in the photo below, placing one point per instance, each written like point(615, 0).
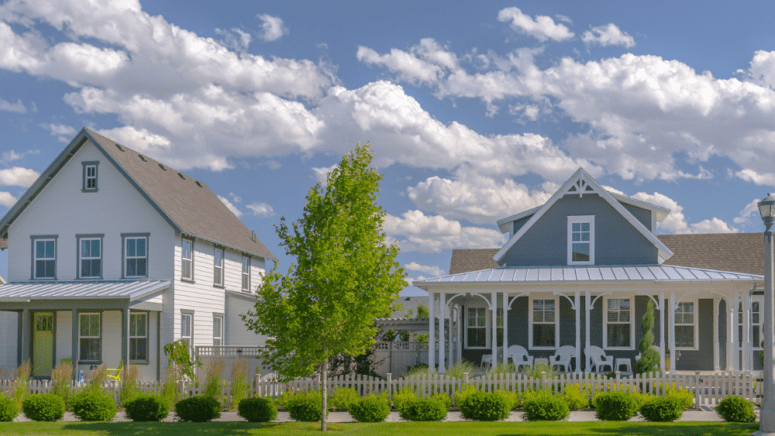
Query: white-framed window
point(187, 259)
point(90, 343)
point(136, 257)
point(581, 240)
point(187, 327)
point(45, 259)
point(245, 273)
point(544, 324)
point(686, 325)
point(89, 176)
point(757, 303)
point(218, 330)
point(499, 326)
point(218, 267)
point(138, 336)
point(90, 258)
point(476, 327)
point(619, 325)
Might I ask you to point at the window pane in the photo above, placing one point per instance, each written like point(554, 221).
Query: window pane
point(85, 249)
point(624, 316)
point(684, 336)
point(40, 269)
point(142, 324)
point(548, 316)
point(90, 349)
point(757, 343)
point(584, 227)
point(130, 247)
point(548, 304)
point(576, 237)
point(84, 325)
point(142, 267)
point(217, 327)
point(576, 227)
point(94, 325)
point(543, 335)
point(688, 318)
point(580, 252)
point(538, 304)
point(613, 316)
point(618, 335)
point(186, 325)
point(538, 316)
point(141, 247)
point(40, 249)
point(624, 304)
point(50, 249)
point(613, 304)
point(755, 318)
point(585, 237)
point(132, 325)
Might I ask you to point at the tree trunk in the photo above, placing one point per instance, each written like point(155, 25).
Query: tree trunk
point(324, 376)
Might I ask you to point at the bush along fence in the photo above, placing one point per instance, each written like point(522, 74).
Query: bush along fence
point(708, 390)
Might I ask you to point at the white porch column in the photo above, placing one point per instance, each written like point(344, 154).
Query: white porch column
point(451, 335)
point(460, 319)
point(494, 336)
point(431, 331)
point(735, 336)
point(505, 326)
point(442, 335)
point(716, 344)
point(662, 345)
point(587, 310)
point(746, 362)
point(577, 303)
point(671, 333)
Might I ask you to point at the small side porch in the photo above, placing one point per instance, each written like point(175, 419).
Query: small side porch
point(90, 323)
point(704, 320)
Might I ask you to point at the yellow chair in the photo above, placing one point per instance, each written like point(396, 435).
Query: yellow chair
point(115, 373)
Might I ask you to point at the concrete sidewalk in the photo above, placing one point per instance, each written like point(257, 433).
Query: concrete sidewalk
point(453, 416)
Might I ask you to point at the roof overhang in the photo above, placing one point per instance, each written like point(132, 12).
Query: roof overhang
point(130, 291)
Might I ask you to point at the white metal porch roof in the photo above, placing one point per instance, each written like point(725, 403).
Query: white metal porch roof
point(592, 273)
point(23, 292)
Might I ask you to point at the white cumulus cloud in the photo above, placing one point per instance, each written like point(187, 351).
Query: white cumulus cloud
point(18, 176)
point(261, 210)
point(6, 199)
point(433, 270)
point(415, 231)
point(272, 28)
point(17, 107)
point(230, 205)
point(540, 28)
point(676, 221)
point(607, 35)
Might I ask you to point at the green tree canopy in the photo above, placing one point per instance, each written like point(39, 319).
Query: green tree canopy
point(345, 275)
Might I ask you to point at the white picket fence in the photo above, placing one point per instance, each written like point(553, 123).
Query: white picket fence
point(708, 390)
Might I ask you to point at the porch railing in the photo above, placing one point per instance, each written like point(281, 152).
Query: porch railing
point(707, 390)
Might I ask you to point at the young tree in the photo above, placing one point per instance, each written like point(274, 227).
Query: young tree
point(345, 275)
point(422, 311)
point(649, 358)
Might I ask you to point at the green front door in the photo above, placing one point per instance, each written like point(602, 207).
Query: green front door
point(43, 344)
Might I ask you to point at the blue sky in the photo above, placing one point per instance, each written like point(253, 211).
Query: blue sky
point(475, 111)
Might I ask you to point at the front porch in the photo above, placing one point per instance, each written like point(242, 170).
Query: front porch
point(704, 320)
point(91, 324)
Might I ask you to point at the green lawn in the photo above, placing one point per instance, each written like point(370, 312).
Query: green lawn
point(411, 428)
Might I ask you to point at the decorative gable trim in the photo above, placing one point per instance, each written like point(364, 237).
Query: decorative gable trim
point(57, 165)
point(581, 183)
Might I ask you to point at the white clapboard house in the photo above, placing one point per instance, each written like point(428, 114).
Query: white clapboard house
point(112, 255)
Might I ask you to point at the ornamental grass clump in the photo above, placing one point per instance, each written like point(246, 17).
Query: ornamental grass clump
point(536, 370)
point(615, 406)
point(169, 390)
point(424, 409)
point(257, 409)
point(43, 407)
point(129, 377)
point(98, 377)
point(22, 382)
point(239, 381)
point(146, 408)
point(89, 405)
point(370, 409)
point(544, 406)
point(214, 384)
point(8, 409)
point(458, 369)
point(736, 409)
point(485, 406)
point(62, 381)
point(198, 409)
point(662, 409)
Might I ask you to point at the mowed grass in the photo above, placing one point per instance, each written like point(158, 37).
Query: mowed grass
point(402, 428)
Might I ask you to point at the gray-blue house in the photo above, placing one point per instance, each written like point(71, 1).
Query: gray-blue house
point(579, 271)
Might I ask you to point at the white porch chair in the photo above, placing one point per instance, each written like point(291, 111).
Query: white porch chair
point(518, 355)
point(563, 356)
point(599, 358)
point(488, 358)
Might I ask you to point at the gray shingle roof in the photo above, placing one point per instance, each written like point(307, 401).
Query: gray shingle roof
point(738, 252)
point(187, 204)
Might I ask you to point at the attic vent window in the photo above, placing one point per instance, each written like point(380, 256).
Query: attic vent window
point(142, 158)
point(182, 176)
point(198, 183)
point(163, 167)
point(118, 146)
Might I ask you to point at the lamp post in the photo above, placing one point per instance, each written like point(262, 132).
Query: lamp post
point(767, 413)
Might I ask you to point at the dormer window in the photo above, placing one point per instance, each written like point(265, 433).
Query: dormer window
point(581, 240)
point(90, 176)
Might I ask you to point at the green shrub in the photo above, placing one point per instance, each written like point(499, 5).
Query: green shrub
point(257, 409)
point(305, 407)
point(342, 398)
point(736, 409)
point(511, 398)
point(462, 394)
point(198, 409)
point(93, 406)
point(423, 409)
point(543, 406)
point(146, 408)
point(8, 409)
point(615, 406)
point(485, 406)
point(574, 397)
point(403, 397)
point(662, 409)
point(685, 397)
point(370, 409)
point(444, 399)
point(43, 407)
